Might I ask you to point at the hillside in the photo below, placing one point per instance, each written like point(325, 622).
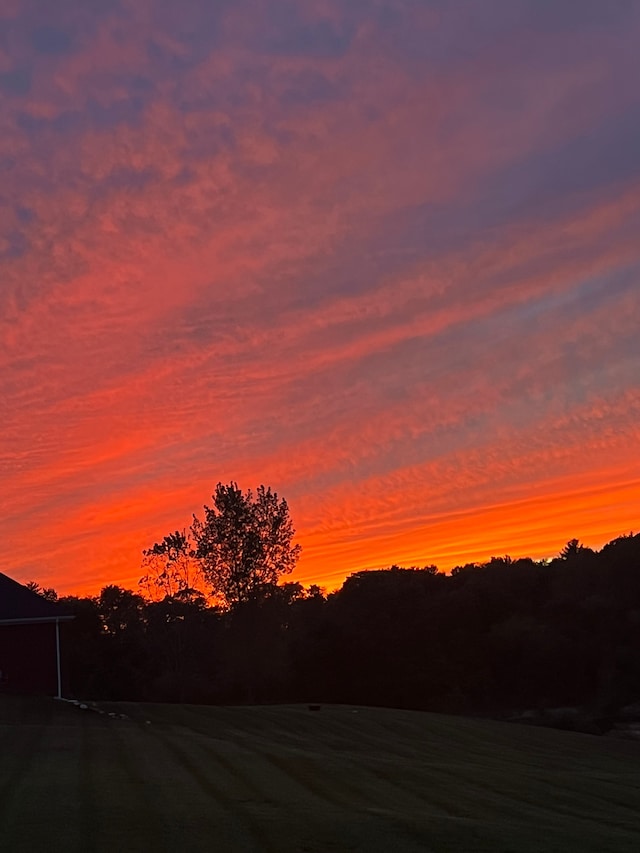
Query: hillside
point(284, 779)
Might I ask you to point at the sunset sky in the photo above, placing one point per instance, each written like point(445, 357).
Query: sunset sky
point(381, 255)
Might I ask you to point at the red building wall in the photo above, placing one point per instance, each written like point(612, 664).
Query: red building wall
point(28, 658)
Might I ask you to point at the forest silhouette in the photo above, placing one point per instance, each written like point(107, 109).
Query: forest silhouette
point(496, 638)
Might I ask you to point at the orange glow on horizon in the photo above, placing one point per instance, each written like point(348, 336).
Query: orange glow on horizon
point(535, 527)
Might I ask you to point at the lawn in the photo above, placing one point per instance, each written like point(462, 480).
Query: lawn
point(283, 779)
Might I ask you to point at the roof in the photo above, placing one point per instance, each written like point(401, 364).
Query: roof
point(18, 604)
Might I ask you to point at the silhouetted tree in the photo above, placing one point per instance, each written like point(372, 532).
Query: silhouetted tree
point(571, 549)
point(46, 592)
point(121, 610)
point(127, 661)
point(244, 542)
point(171, 569)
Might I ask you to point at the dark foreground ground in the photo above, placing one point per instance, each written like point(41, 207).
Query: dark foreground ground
point(284, 779)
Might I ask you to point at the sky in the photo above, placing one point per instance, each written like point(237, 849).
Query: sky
point(380, 255)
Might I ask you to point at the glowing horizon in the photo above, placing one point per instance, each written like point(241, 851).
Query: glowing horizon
point(382, 257)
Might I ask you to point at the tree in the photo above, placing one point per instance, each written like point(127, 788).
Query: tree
point(46, 592)
point(244, 542)
point(126, 661)
point(171, 569)
point(121, 611)
point(571, 549)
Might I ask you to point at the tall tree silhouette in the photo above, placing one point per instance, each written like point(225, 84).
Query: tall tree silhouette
point(244, 542)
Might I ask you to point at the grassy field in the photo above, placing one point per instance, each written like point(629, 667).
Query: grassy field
point(284, 779)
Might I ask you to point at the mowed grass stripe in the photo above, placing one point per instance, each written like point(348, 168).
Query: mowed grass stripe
point(286, 780)
point(346, 797)
point(321, 811)
point(483, 766)
point(522, 788)
point(498, 769)
point(350, 788)
point(219, 790)
point(122, 799)
point(46, 789)
point(468, 796)
point(197, 798)
point(19, 751)
point(300, 772)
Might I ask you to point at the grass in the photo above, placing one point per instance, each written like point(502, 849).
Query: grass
point(284, 779)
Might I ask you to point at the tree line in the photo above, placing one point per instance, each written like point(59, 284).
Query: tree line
point(214, 621)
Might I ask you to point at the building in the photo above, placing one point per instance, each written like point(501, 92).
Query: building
point(31, 641)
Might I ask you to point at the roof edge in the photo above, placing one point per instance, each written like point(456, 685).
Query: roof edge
point(34, 619)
